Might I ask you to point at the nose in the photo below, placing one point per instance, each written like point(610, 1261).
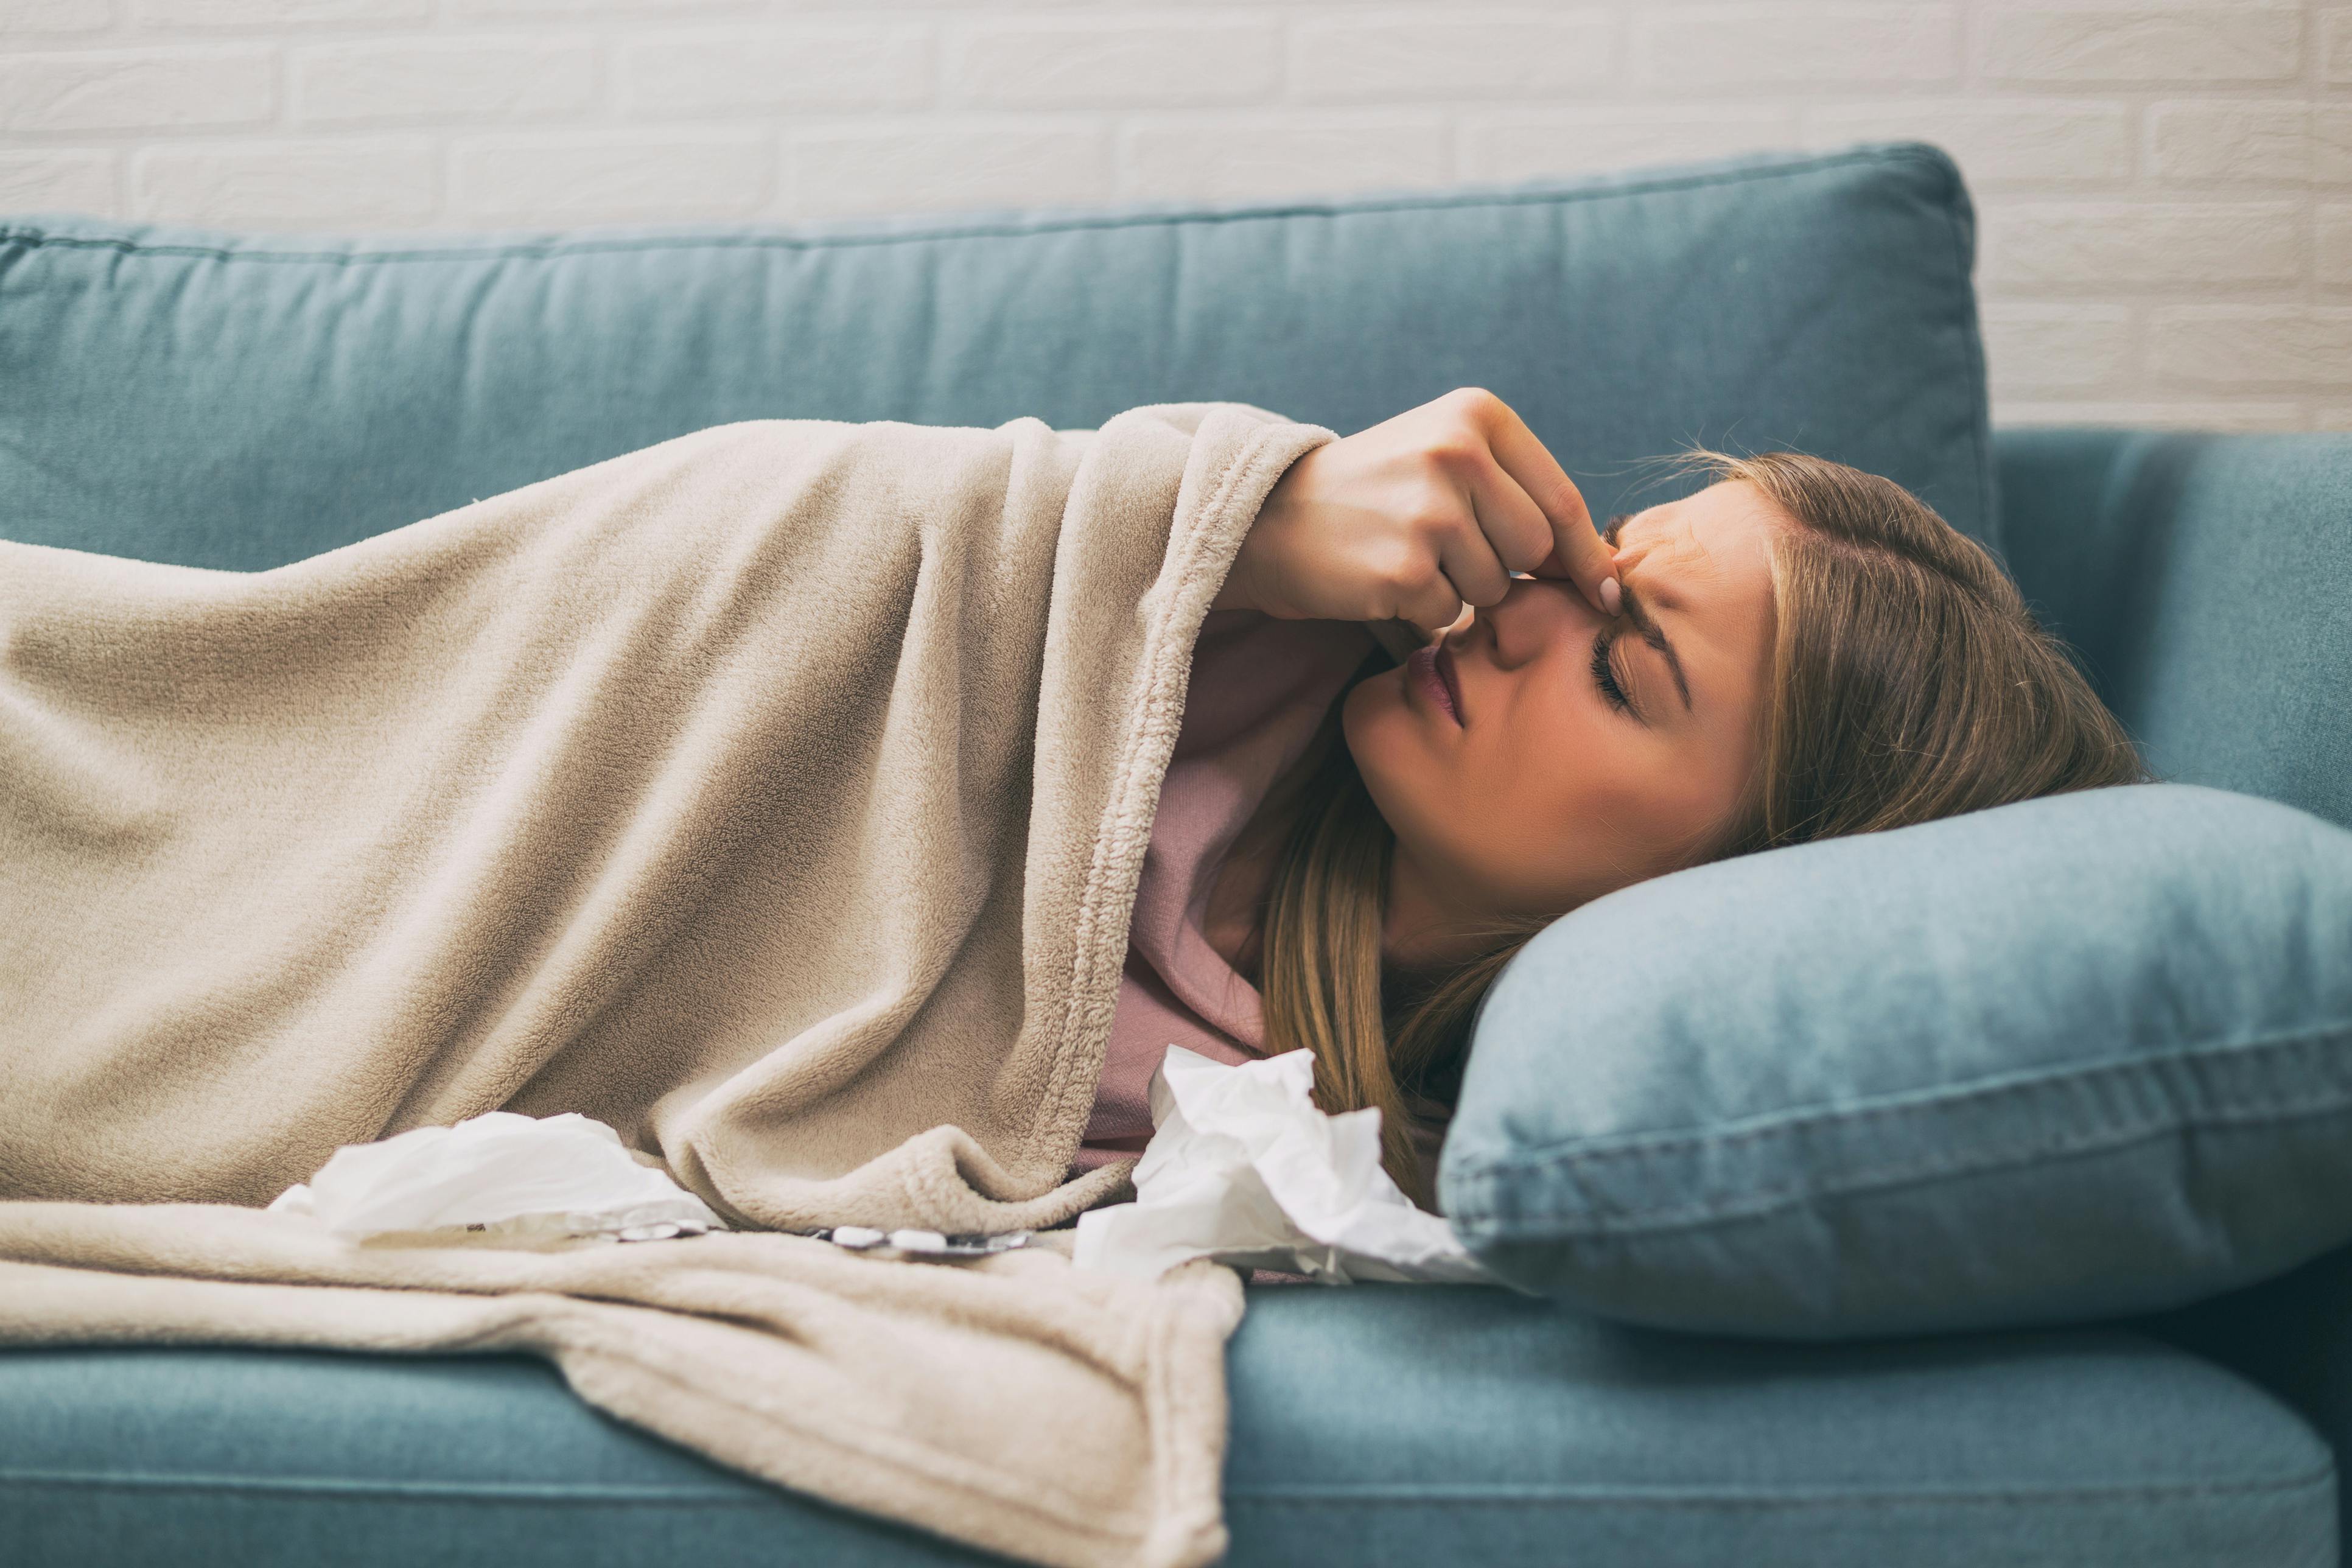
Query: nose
point(1535, 613)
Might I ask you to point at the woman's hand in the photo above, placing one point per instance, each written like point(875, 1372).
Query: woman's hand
point(1415, 517)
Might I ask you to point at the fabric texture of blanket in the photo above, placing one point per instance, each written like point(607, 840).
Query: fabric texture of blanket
point(776, 794)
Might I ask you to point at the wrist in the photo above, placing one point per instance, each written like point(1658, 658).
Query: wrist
point(1242, 589)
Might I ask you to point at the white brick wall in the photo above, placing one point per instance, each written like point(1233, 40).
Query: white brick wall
point(2166, 186)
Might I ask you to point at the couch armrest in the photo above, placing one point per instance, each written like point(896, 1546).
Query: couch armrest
point(2207, 583)
point(2291, 1335)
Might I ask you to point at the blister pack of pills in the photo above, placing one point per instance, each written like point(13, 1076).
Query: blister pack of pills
point(921, 1246)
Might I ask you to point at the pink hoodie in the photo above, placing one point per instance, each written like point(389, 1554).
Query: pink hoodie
point(1259, 688)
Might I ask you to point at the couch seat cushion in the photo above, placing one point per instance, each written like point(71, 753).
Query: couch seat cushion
point(1383, 1424)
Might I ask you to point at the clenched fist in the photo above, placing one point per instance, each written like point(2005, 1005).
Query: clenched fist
point(1415, 517)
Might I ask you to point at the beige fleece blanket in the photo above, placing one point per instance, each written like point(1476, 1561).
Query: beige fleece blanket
point(776, 794)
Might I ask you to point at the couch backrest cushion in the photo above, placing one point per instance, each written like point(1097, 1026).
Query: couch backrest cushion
point(2207, 581)
point(240, 402)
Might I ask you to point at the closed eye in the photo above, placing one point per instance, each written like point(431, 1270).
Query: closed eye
point(1605, 674)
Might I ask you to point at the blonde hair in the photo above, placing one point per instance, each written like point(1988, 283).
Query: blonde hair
point(1908, 682)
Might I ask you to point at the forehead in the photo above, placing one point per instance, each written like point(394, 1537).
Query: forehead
point(1702, 567)
point(1715, 540)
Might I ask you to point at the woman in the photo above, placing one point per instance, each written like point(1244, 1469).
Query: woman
point(775, 795)
point(1799, 650)
point(625, 792)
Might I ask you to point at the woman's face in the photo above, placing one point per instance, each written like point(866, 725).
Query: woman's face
point(1588, 753)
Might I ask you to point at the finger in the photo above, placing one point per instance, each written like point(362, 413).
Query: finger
point(1611, 596)
point(1578, 553)
point(1467, 558)
point(1432, 607)
point(1515, 527)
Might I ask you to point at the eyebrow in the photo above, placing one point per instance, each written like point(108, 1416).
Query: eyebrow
point(1655, 635)
point(1645, 622)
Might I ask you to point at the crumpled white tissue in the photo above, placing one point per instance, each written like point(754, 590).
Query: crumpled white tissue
point(518, 1176)
point(1243, 1168)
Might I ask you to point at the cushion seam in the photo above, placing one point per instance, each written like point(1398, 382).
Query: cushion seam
point(477, 1492)
point(1667, 1497)
point(1972, 348)
point(37, 238)
point(1753, 1205)
point(1564, 1152)
point(1356, 1494)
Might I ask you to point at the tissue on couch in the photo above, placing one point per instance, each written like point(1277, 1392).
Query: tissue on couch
point(1243, 1168)
point(567, 1174)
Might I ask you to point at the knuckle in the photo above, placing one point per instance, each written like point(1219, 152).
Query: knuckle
point(1527, 551)
point(1565, 499)
point(1401, 566)
point(1453, 452)
point(1435, 521)
point(1415, 575)
point(1452, 524)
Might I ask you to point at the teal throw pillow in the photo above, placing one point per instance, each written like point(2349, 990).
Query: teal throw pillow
point(2083, 1056)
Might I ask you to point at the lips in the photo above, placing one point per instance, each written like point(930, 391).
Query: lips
point(1428, 671)
point(1445, 673)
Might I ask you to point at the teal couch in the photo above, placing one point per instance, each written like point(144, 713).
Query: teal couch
point(238, 403)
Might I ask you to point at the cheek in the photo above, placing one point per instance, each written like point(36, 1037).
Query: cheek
point(1583, 803)
point(1368, 727)
point(1560, 801)
point(1486, 815)
point(1409, 781)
